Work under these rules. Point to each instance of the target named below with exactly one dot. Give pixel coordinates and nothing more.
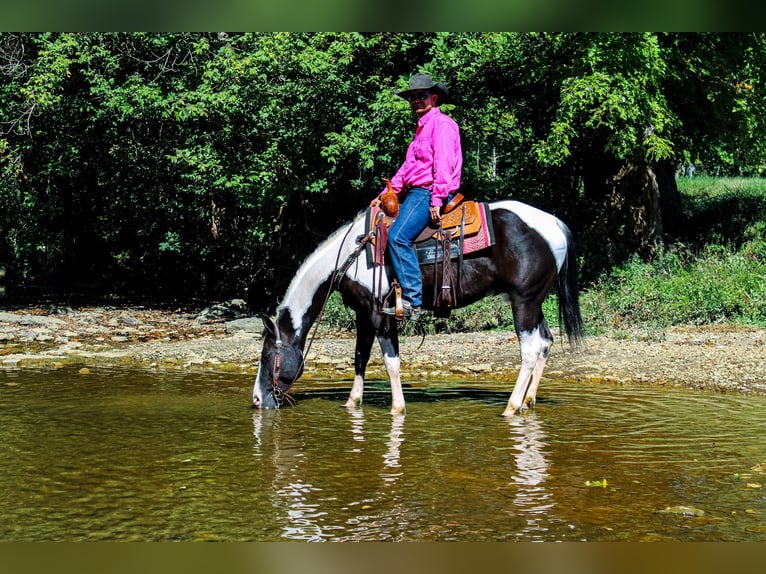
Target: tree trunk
(633, 210)
(671, 208)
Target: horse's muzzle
(266, 401)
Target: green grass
(726, 211)
(721, 285)
(714, 274)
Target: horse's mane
(316, 268)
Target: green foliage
(716, 84)
(612, 93)
(723, 210)
(720, 286)
(717, 278)
(210, 164)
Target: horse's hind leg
(537, 373)
(535, 346)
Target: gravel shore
(724, 358)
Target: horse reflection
(391, 458)
(292, 493)
(305, 502)
(531, 498)
(398, 477)
(357, 428)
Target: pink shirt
(434, 159)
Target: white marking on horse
(257, 397)
(319, 266)
(547, 225)
(394, 370)
(534, 351)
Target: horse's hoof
(509, 412)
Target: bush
(705, 281)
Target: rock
(251, 325)
(27, 335)
(682, 510)
(480, 368)
(230, 310)
(129, 321)
(460, 369)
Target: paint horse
(533, 252)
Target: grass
(714, 274)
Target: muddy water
(140, 455)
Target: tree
(208, 164)
(593, 126)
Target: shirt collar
(427, 117)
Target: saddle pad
(481, 237)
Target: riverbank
(724, 358)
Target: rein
(337, 277)
(338, 274)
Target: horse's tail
(568, 293)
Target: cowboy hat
(420, 82)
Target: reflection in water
(297, 499)
(532, 498)
(139, 455)
(300, 499)
(291, 493)
(357, 426)
(391, 458)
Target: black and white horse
(532, 254)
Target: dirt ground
(724, 358)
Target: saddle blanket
(478, 234)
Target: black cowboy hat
(420, 82)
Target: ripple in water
(140, 455)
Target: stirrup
(405, 310)
(397, 310)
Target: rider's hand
(434, 212)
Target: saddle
(466, 227)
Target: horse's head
(281, 365)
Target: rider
(430, 173)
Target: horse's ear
(269, 324)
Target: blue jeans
(413, 217)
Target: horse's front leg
(364, 338)
(389, 346)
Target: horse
(533, 252)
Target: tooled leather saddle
(466, 227)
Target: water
(157, 456)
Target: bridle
(338, 273)
(278, 394)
